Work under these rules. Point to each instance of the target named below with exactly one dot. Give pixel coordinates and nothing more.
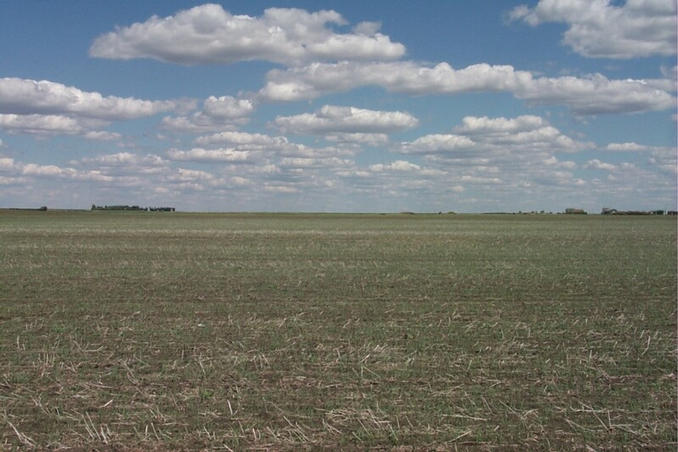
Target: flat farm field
(127, 330)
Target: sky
(339, 106)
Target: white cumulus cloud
(436, 143)
(597, 164)
(102, 135)
(472, 125)
(510, 152)
(663, 157)
(126, 164)
(520, 134)
(218, 113)
(598, 28)
(210, 155)
(6, 163)
(626, 147)
(243, 139)
(331, 119)
(227, 107)
(315, 163)
(368, 139)
(398, 165)
(48, 108)
(41, 124)
(56, 172)
(210, 34)
(25, 96)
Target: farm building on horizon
(134, 208)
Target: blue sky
(339, 106)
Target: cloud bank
(595, 94)
(50, 108)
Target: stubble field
(252, 331)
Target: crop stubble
(140, 330)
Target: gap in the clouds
(651, 128)
(148, 79)
(638, 159)
(46, 150)
(441, 113)
(262, 119)
(370, 156)
(437, 113)
(371, 97)
(624, 69)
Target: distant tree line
(608, 211)
(134, 208)
(41, 209)
(574, 211)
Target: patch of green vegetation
(336, 331)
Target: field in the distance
(170, 330)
